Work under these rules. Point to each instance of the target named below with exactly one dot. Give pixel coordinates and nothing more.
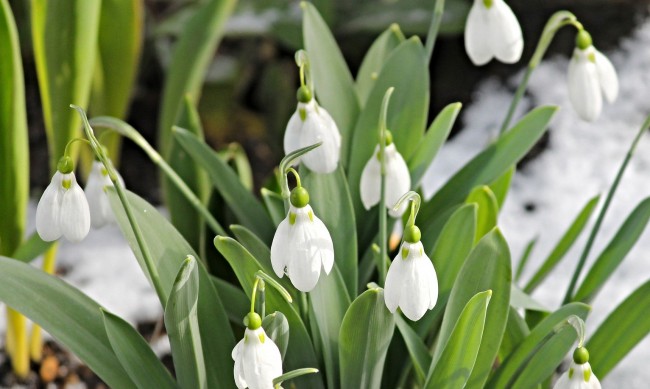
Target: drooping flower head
(302, 245)
(100, 208)
(411, 282)
(397, 180)
(591, 75)
(492, 30)
(257, 358)
(579, 375)
(63, 208)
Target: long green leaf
(31, 248)
(191, 57)
(525, 256)
(301, 351)
(274, 205)
(374, 60)
(407, 112)
(181, 321)
(487, 211)
(137, 358)
(333, 81)
(14, 151)
(169, 249)
(70, 316)
(235, 301)
(487, 268)
(517, 360)
(490, 164)
(516, 331)
(64, 36)
(241, 201)
(501, 185)
(433, 140)
(615, 252)
(456, 362)
(366, 332)
(563, 246)
(626, 326)
(420, 355)
(330, 198)
(276, 327)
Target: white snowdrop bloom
(411, 282)
(302, 245)
(311, 124)
(257, 360)
(63, 210)
(397, 180)
(492, 30)
(591, 75)
(579, 375)
(100, 207)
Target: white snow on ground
(581, 161)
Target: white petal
(280, 248)
(370, 182)
(95, 195)
(47, 211)
(432, 280)
(398, 180)
(238, 371)
(75, 214)
(261, 360)
(322, 241)
(477, 39)
(303, 261)
(584, 88)
(319, 127)
(394, 283)
(415, 298)
(506, 38)
(292, 134)
(563, 382)
(607, 77)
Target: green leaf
(70, 316)
(486, 268)
(407, 112)
(419, 352)
(545, 361)
(276, 327)
(366, 332)
(456, 362)
(330, 198)
(183, 215)
(241, 201)
(519, 358)
(525, 256)
(301, 351)
(615, 252)
(516, 331)
(169, 249)
(487, 211)
(563, 246)
(137, 358)
(31, 248)
(274, 205)
(433, 140)
(181, 322)
(375, 58)
(235, 301)
(64, 36)
(623, 329)
(520, 299)
(191, 56)
(14, 151)
(490, 164)
(501, 186)
(333, 82)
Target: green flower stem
(555, 22)
(121, 193)
(434, 27)
(254, 294)
(383, 238)
(594, 231)
(131, 133)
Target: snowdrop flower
(302, 245)
(411, 282)
(63, 208)
(492, 30)
(100, 208)
(579, 375)
(311, 124)
(591, 75)
(257, 358)
(397, 180)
